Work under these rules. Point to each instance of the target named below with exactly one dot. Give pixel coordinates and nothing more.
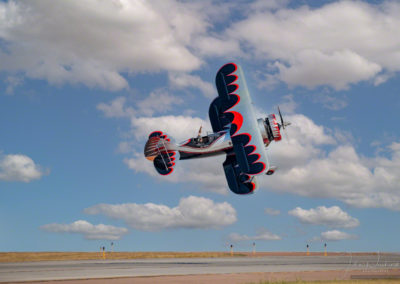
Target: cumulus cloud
(336, 235)
(272, 211)
(305, 166)
(182, 80)
(94, 43)
(338, 69)
(124, 147)
(315, 162)
(88, 230)
(345, 175)
(333, 217)
(116, 108)
(142, 123)
(319, 162)
(208, 173)
(17, 167)
(159, 101)
(262, 236)
(12, 83)
(336, 44)
(304, 142)
(191, 212)
(179, 127)
(101, 43)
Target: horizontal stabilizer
(161, 151)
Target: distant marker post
(231, 250)
(254, 248)
(308, 249)
(325, 251)
(104, 252)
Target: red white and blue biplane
(236, 133)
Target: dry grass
(45, 256)
(372, 281)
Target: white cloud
(89, 231)
(333, 217)
(307, 167)
(116, 108)
(17, 167)
(191, 212)
(178, 127)
(208, 173)
(182, 81)
(98, 43)
(218, 46)
(336, 44)
(288, 105)
(332, 102)
(313, 68)
(262, 236)
(344, 175)
(303, 142)
(93, 43)
(159, 101)
(272, 211)
(12, 82)
(124, 147)
(314, 161)
(336, 235)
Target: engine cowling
(275, 127)
(270, 129)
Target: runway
(62, 270)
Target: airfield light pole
(254, 248)
(325, 252)
(308, 249)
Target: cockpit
(202, 141)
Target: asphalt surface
(61, 270)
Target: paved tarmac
(61, 270)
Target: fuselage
(205, 146)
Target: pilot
(199, 138)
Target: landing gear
(271, 170)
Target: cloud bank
(191, 213)
(263, 236)
(89, 231)
(333, 217)
(336, 235)
(101, 43)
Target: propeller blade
(280, 115)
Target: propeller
(284, 124)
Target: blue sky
(81, 89)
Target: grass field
(374, 281)
(45, 256)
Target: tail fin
(161, 151)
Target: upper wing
(233, 107)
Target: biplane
(237, 133)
